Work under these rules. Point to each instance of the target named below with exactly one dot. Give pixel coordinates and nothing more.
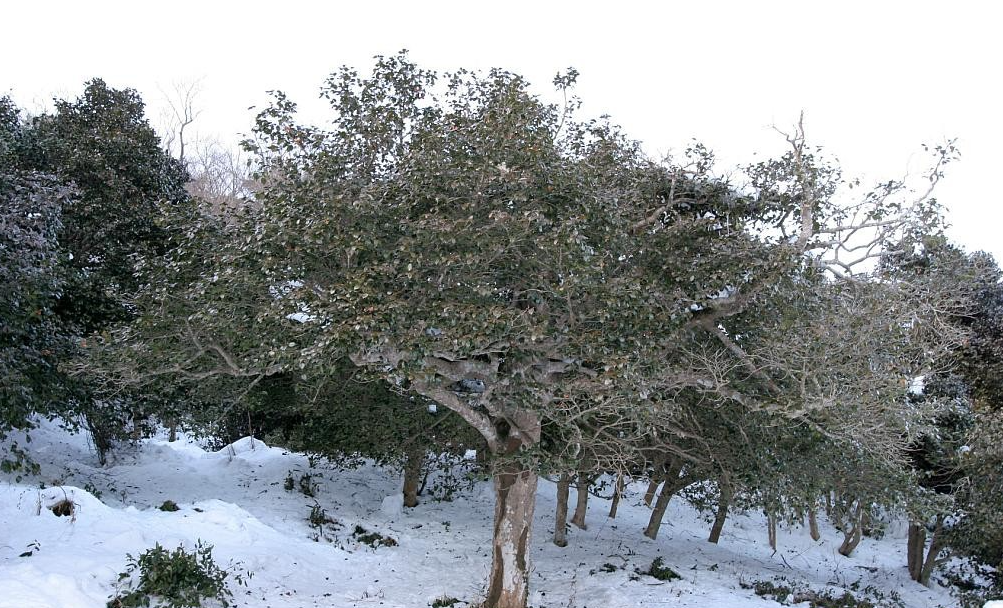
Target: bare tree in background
(179, 116)
(219, 172)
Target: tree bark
(771, 529)
(413, 462)
(723, 501)
(851, 537)
(617, 493)
(657, 477)
(649, 494)
(914, 550)
(813, 525)
(937, 543)
(514, 483)
(582, 505)
(561, 517)
(515, 499)
(669, 488)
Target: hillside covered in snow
(303, 551)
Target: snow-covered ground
(235, 499)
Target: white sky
(875, 79)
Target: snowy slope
(234, 499)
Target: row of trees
(570, 306)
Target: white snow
(301, 317)
(393, 505)
(234, 499)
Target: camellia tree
(32, 340)
(102, 144)
(537, 275)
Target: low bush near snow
(177, 579)
(373, 539)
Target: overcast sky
(875, 79)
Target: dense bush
(177, 579)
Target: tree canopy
(567, 296)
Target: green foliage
(973, 584)
(32, 338)
(567, 297)
(607, 568)
(345, 416)
(445, 602)
(17, 460)
(455, 221)
(982, 359)
(373, 539)
(169, 506)
(176, 579)
(103, 143)
(84, 191)
(789, 595)
(307, 486)
(660, 571)
(777, 592)
(318, 517)
(979, 531)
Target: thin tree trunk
(813, 525)
(172, 427)
(515, 499)
(771, 529)
(670, 487)
(582, 505)
(723, 501)
(937, 542)
(649, 494)
(914, 550)
(617, 493)
(851, 537)
(657, 477)
(413, 462)
(658, 513)
(101, 438)
(561, 518)
(137, 426)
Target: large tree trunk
(723, 501)
(413, 462)
(669, 488)
(582, 505)
(561, 517)
(515, 487)
(617, 493)
(515, 499)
